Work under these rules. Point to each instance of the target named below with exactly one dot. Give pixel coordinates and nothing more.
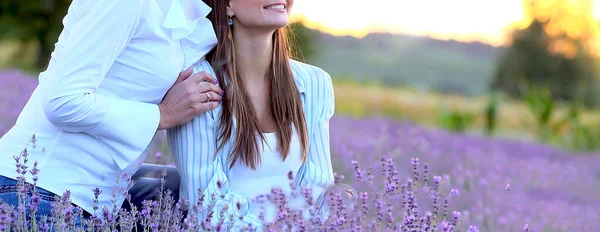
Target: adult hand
(190, 96)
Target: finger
(206, 106)
(210, 96)
(184, 75)
(205, 87)
(205, 97)
(202, 76)
(214, 96)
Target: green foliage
(582, 138)
(392, 111)
(570, 74)
(541, 105)
(303, 38)
(455, 121)
(491, 113)
(568, 130)
(33, 21)
(351, 108)
(579, 137)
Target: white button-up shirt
(95, 110)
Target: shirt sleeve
(317, 173)
(95, 36)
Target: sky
(487, 21)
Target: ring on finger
(207, 96)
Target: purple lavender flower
(158, 157)
(455, 193)
(473, 229)
(480, 167)
(425, 172)
(456, 216)
(35, 201)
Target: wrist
(163, 122)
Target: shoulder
(108, 4)
(308, 71)
(317, 86)
(116, 10)
(312, 78)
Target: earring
(230, 21)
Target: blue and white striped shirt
(193, 145)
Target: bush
(491, 113)
(455, 121)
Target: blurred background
(491, 93)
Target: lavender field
(503, 185)
(15, 89)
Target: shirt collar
(183, 16)
(187, 22)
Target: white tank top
(271, 173)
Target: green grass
(371, 99)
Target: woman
(112, 81)
(274, 118)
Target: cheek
(248, 11)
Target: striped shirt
(193, 145)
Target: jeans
(146, 186)
(9, 195)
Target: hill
(420, 62)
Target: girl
(272, 124)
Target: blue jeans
(147, 185)
(9, 195)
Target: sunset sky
(465, 20)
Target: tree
(551, 52)
(304, 39)
(33, 21)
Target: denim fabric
(9, 195)
(146, 187)
(147, 184)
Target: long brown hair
(285, 105)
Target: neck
(253, 53)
